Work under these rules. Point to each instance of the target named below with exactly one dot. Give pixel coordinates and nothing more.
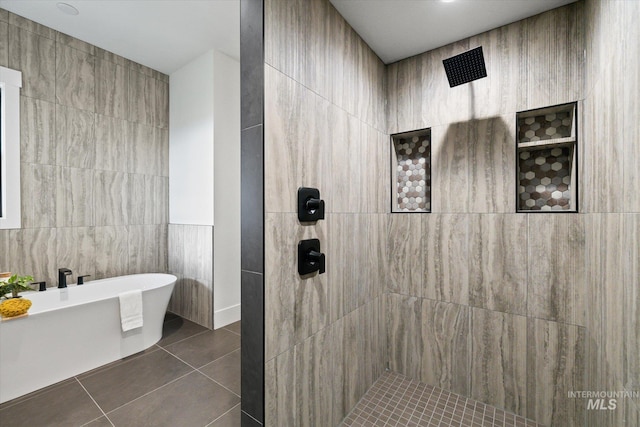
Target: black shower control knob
(313, 205)
(316, 259)
(310, 205)
(310, 257)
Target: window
(10, 84)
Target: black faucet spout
(62, 277)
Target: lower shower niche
(411, 171)
(545, 179)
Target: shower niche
(547, 148)
(411, 171)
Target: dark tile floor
(190, 378)
(396, 400)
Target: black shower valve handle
(310, 205)
(314, 204)
(316, 258)
(310, 258)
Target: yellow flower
(14, 307)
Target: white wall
(191, 136)
(226, 233)
(204, 167)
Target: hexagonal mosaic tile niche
(546, 159)
(544, 127)
(545, 179)
(411, 182)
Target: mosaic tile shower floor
(396, 400)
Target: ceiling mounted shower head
(466, 67)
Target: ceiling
(398, 29)
(161, 34)
(167, 34)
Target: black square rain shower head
(466, 67)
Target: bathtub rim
(171, 279)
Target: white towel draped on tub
(131, 310)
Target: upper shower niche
(547, 153)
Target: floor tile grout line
(218, 382)
(222, 415)
(451, 398)
(199, 371)
(149, 392)
(420, 399)
(484, 411)
(464, 410)
(183, 339)
(381, 379)
(233, 332)
(177, 357)
(476, 411)
(190, 365)
(96, 419)
(218, 358)
(102, 369)
(435, 401)
(441, 397)
(34, 394)
(425, 407)
(93, 400)
(388, 386)
(194, 369)
(459, 402)
(408, 398)
(409, 410)
(398, 399)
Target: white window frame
(10, 84)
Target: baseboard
(226, 316)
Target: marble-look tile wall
(610, 199)
(484, 301)
(190, 259)
(94, 158)
(325, 339)
(512, 309)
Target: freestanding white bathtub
(73, 330)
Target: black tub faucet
(62, 277)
